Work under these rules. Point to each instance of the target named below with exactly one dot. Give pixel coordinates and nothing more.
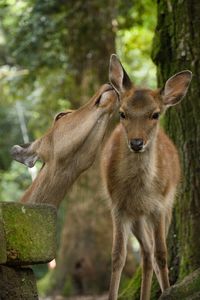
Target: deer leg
(161, 252)
(144, 237)
(157, 271)
(120, 238)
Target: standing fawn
(68, 148)
(140, 168)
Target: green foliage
(43, 284)
(68, 288)
(9, 132)
(134, 41)
(13, 182)
(132, 290)
(134, 49)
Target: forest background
(54, 55)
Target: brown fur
(127, 173)
(68, 148)
(141, 185)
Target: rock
(3, 255)
(27, 233)
(187, 289)
(17, 283)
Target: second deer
(68, 148)
(141, 171)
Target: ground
(97, 297)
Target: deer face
(139, 113)
(70, 130)
(140, 109)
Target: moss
(17, 283)
(3, 255)
(187, 288)
(132, 290)
(68, 288)
(30, 232)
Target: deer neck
(50, 186)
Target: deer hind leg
(161, 252)
(144, 236)
(120, 238)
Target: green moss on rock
(189, 288)
(17, 284)
(30, 232)
(3, 256)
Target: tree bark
(177, 47)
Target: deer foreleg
(120, 237)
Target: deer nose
(136, 144)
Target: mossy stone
(3, 255)
(188, 288)
(30, 232)
(17, 283)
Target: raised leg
(161, 252)
(144, 236)
(121, 231)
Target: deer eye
(155, 116)
(61, 114)
(122, 115)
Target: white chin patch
(140, 151)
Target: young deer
(140, 168)
(68, 148)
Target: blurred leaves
(13, 182)
(134, 40)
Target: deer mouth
(138, 151)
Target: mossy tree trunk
(177, 47)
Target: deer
(68, 148)
(141, 172)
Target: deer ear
(25, 154)
(176, 88)
(118, 76)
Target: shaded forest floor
(93, 297)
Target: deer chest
(136, 195)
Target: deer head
(141, 108)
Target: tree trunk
(177, 47)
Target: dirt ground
(97, 297)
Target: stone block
(17, 284)
(187, 289)
(29, 231)
(3, 255)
